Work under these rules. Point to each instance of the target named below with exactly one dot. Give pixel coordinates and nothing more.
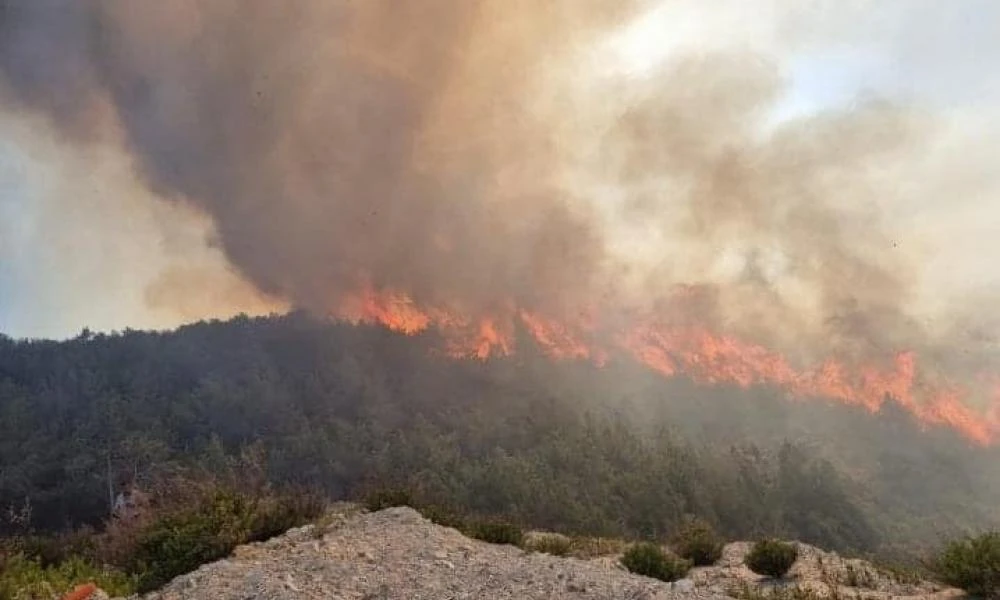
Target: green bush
(382, 498)
(274, 516)
(444, 516)
(26, 579)
(203, 529)
(772, 558)
(973, 564)
(495, 531)
(699, 543)
(652, 561)
(55, 549)
(181, 542)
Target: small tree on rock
(698, 542)
(650, 560)
(772, 558)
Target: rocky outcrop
(397, 554)
(816, 574)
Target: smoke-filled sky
(820, 176)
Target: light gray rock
(396, 554)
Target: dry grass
(555, 544)
(594, 547)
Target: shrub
(382, 498)
(444, 516)
(650, 560)
(26, 579)
(592, 547)
(55, 549)
(859, 576)
(274, 516)
(495, 531)
(772, 558)
(548, 543)
(181, 542)
(973, 564)
(205, 526)
(903, 574)
(699, 543)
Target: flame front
(704, 356)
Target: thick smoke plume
(333, 143)
(454, 157)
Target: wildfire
(704, 356)
(395, 311)
(485, 342)
(557, 339)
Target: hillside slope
(560, 445)
(397, 554)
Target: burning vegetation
(697, 353)
(476, 168)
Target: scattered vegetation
(495, 531)
(548, 543)
(772, 558)
(204, 523)
(24, 578)
(859, 576)
(747, 591)
(444, 516)
(592, 547)
(381, 498)
(902, 574)
(973, 564)
(181, 541)
(698, 542)
(651, 560)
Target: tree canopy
(560, 445)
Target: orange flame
(486, 342)
(558, 340)
(705, 357)
(393, 310)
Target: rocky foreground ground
(397, 554)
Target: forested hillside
(615, 450)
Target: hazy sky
(83, 243)
(933, 56)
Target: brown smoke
(435, 149)
(331, 142)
